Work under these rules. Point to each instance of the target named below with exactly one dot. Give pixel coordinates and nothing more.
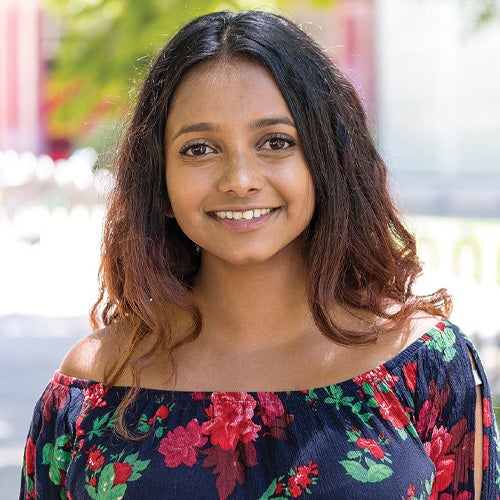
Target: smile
(246, 215)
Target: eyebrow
(266, 122)
(196, 127)
(257, 124)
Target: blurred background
(428, 72)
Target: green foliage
(105, 48)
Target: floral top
(404, 430)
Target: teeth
(247, 215)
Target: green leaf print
(367, 389)
(444, 342)
(270, 491)
(355, 470)
(337, 398)
(57, 456)
(375, 473)
(91, 491)
(105, 480)
(100, 424)
(378, 472)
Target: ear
(168, 209)
(169, 212)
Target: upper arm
(88, 358)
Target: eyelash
(187, 147)
(274, 137)
(280, 137)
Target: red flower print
(441, 326)
(486, 413)
(231, 419)
(93, 481)
(198, 396)
(411, 492)
(376, 376)
(161, 413)
(270, 407)
(279, 488)
(391, 409)
(486, 452)
(54, 397)
(95, 459)
(431, 409)
(410, 373)
(437, 449)
(94, 396)
(122, 472)
(30, 457)
(180, 446)
(301, 480)
(372, 446)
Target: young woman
(261, 337)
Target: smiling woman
(238, 183)
(261, 336)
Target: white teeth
(247, 214)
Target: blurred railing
(51, 224)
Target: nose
(241, 176)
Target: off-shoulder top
(404, 430)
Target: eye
(197, 149)
(278, 142)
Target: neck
(253, 305)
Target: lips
(255, 213)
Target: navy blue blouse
(404, 430)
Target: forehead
(235, 87)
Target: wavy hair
(357, 252)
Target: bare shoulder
(89, 357)
(420, 323)
(393, 342)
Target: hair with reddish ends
(357, 252)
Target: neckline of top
(390, 364)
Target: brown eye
(278, 143)
(198, 149)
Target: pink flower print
(270, 407)
(231, 419)
(181, 445)
(437, 450)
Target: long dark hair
(357, 252)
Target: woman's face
(237, 179)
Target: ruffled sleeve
(49, 445)
(445, 415)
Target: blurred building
(438, 101)
(22, 76)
